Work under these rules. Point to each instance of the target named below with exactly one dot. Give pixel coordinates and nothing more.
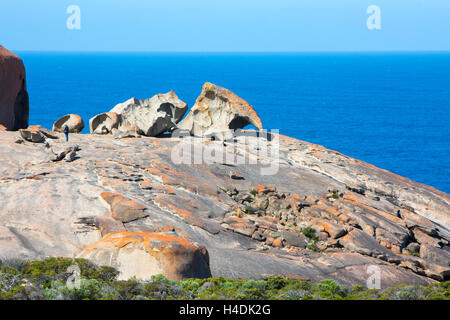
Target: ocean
(389, 109)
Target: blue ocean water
(391, 110)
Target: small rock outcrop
(145, 254)
(31, 136)
(218, 110)
(68, 154)
(45, 132)
(122, 208)
(149, 117)
(73, 121)
(104, 123)
(14, 103)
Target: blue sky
(225, 25)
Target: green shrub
(310, 233)
(190, 285)
(329, 289)
(47, 279)
(250, 210)
(128, 289)
(276, 282)
(334, 195)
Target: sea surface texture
(391, 110)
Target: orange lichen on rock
(239, 105)
(264, 189)
(240, 225)
(164, 189)
(169, 228)
(157, 187)
(356, 200)
(144, 254)
(123, 208)
(217, 110)
(333, 229)
(122, 239)
(164, 203)
(278, 243)
(146, 185)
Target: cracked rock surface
(125, 202)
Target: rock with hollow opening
(104, 123)
(151, 117)
(218, 110)
(73, 121)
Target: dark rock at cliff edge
(14, 105)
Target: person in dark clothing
(66, 132)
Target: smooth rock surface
(73, 121)
(54, 208)
(144, 255)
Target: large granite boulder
(218, 110)
(14, 104)
(73, 121)
(149, 117)
(143, 255)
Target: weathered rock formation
(104, 123)
(145, 254)
(14, 104)
(43, 131)
(31, 135)
(216, 111)
(149, 117)
(319, 215)
(73, 121)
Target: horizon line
(232, 52)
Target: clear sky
(225, 25)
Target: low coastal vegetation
(49, 279)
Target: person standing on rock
(66, 132)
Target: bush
(276, 282)
(329, 289)
(310, 233)
(47, 279)
(57, 269)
